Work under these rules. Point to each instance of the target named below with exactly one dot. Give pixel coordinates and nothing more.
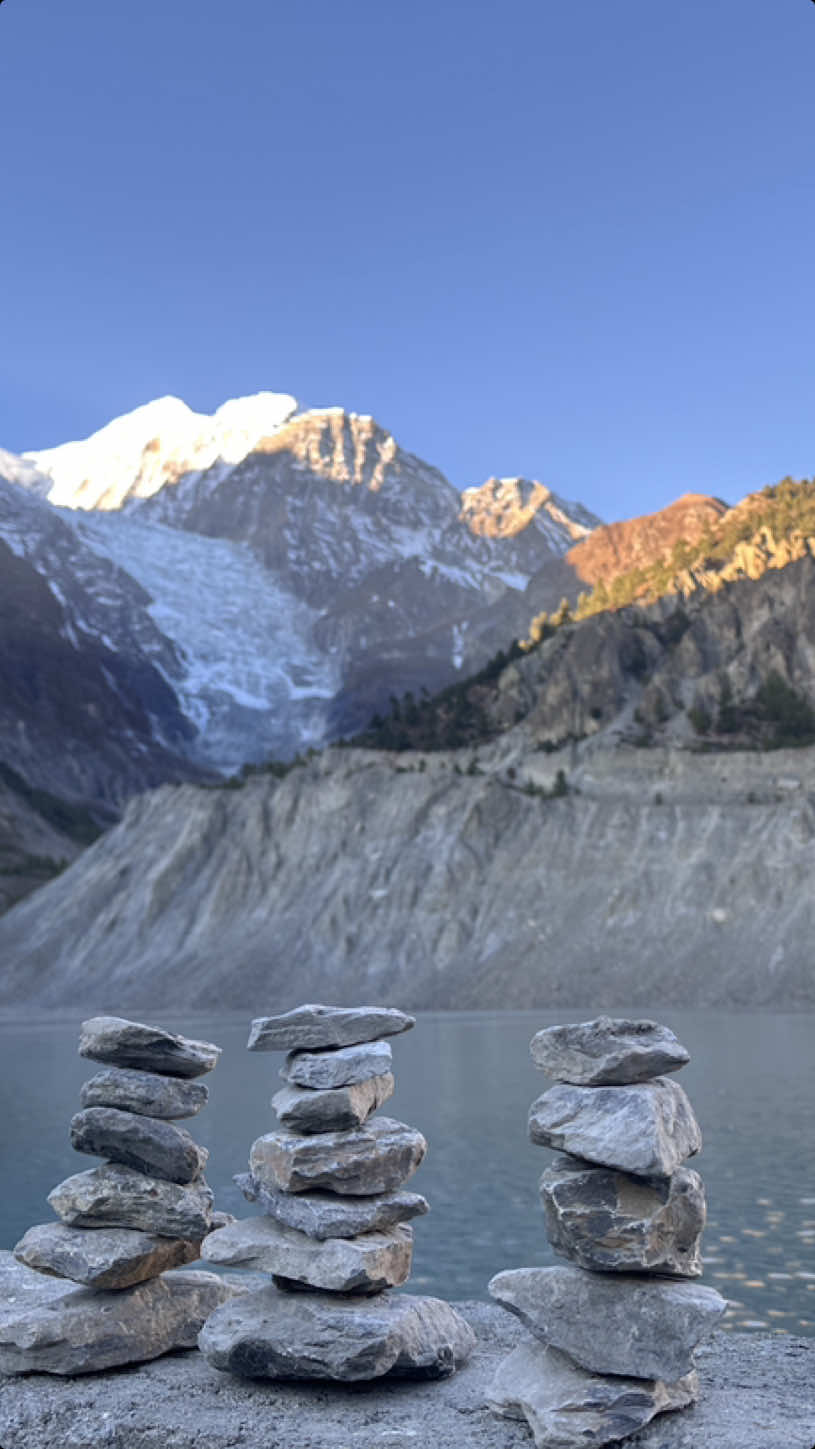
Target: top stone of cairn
(122, 1043)
(607, 1052)
(309, 1028)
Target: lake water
(466, 1080)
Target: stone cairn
(123, 1224)
(614, 1334)
(334, 1233)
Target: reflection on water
(466, 1080)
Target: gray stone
(49, 1326)
(608, 1051)
(122, 1043)
(146, 1143)
(568, 1408)
(102, 1257)
(325, 1215)
(309, 1027)
(280, 1336)
(112, 1196)
(366, 1264)
(331, 1109)
(145, 1092)
(612, 1222)
(647, 1129)
(340, 1067)
(375, 1158)
(613, 1323)
(756, 1393)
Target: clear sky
(566, 238)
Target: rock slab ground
(756, 1393)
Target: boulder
(145, 1092)
(612, 1222)
(309, 1027)
(375, 1158)
(617, 1323)
(276, 1335)
(122, 1043)
(648, 1128)
(325, 1215)
(49, 1326)
(339, 1067)
(102, 1257)
(146, 1143)
(607, 1051)
(568, 1408)
(112, 1196)
(331, 1109)
(366, 1264)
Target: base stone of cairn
(121, 1225)
(334, 1234)
(615, 1331)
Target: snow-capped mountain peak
(134, 456)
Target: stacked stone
(614, 1334)
(122, 1225)
(334, 1233)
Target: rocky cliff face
(670, 879)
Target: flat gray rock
(325, 1215)
(331, 1109)
(608, 1051)
(148, 1144)
(646, 1328)
(112, 1196)
(102, 1257)
(378, 1157)
(53, 1327)
(648, 1129)
(122, 1043)
(309, 1027)
(145, 1092)
(366, 1264)
(567, 1408)
(339, 1067)
(756, 1393)
(612, 1222)
(281, 1336)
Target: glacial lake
(466, 1080)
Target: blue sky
(571, 240)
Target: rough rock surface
(102, 1257)
(568, 1408)
(612, 1222)
(50, 1326)
(366, 1264)
(145, 1092)
(331, 1109)
(271, 1334)
(756, 1393)
(648, 1129)
(613, 1324)
(701, 866)
(307, 1028)
(112, 1196)
(607, 1051)
(375, 1158)
(122, 1043)
(340, 1067)
(147, 1144)
(326, 1215)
